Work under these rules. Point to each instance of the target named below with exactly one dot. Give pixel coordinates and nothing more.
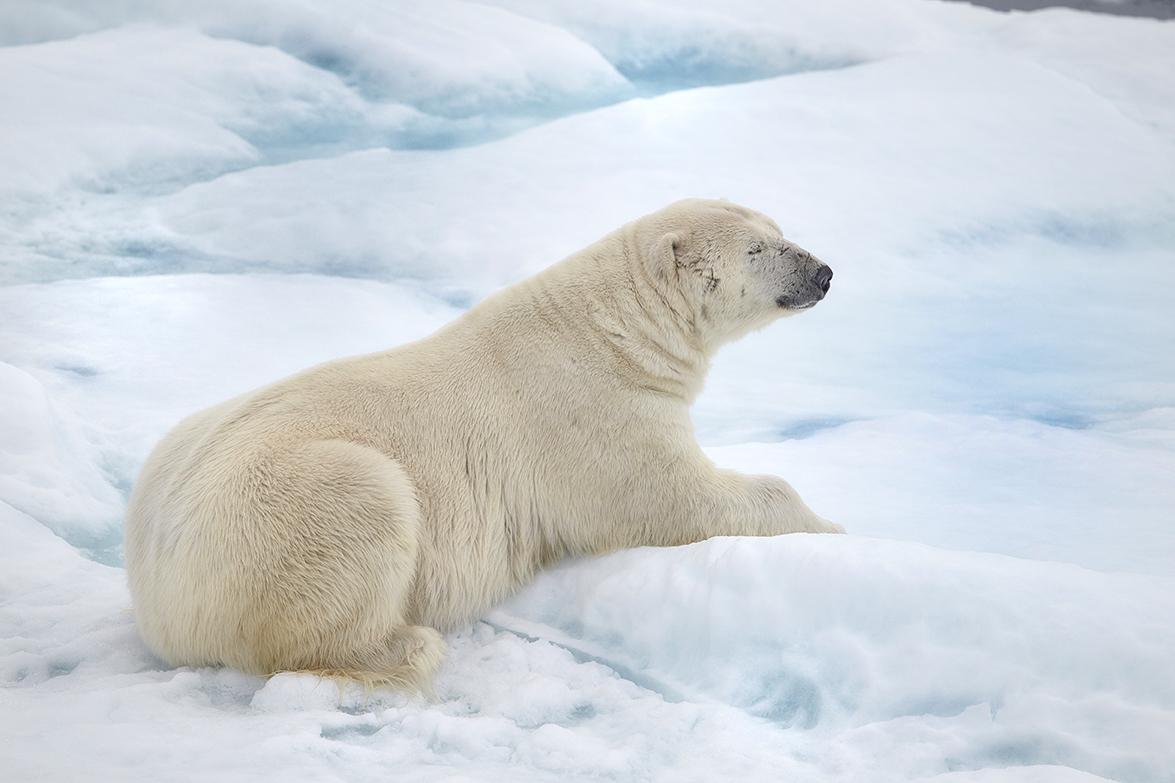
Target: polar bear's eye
(756, 248)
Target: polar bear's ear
(664, 256)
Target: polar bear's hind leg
(337, 528)
(405, 661)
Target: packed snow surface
(199, 198)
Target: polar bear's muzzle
(809, 292)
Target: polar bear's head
(731, 266)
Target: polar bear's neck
(599, 307)
(653, 328)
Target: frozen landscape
(199, 198)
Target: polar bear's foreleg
(775, 507)
(700, 501)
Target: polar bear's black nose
(823, 276)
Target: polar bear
(340, 520)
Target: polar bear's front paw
(831, 527)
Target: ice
(358, 74)
(660, 46)
(197, 199)
(49, 471)
(1021, 488)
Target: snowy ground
(199, 198)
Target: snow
(196, 199)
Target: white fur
(341, 519)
